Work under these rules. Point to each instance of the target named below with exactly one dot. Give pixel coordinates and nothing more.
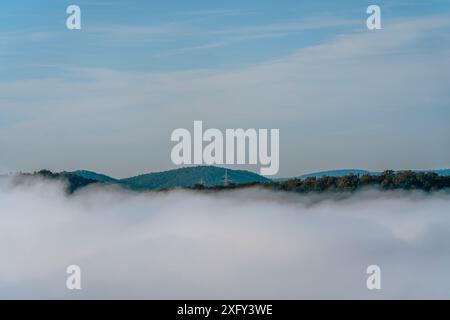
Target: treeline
(388, 180)
(74, 182)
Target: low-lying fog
(244, 244)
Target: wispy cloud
(230, 36)
(362, 94)
(217, 37)
(30, 36)
(163, 30)
(218, 13)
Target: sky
(107, 97)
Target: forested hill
(387, 180)
(214, 178)
(190, 176)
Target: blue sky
(139, 69)
(178, 35)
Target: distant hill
(336, 173)
(74, 182)
(95, 176)
(358, 172)
(190, 176)
(208, 176)
(345, 172)
(177, 178)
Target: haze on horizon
(106, 98)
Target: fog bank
(242, 244)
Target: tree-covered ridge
(212, 179)
(190, 176)
(388, 180)
(187, 177)
(73, 181)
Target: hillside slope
(190, 176)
